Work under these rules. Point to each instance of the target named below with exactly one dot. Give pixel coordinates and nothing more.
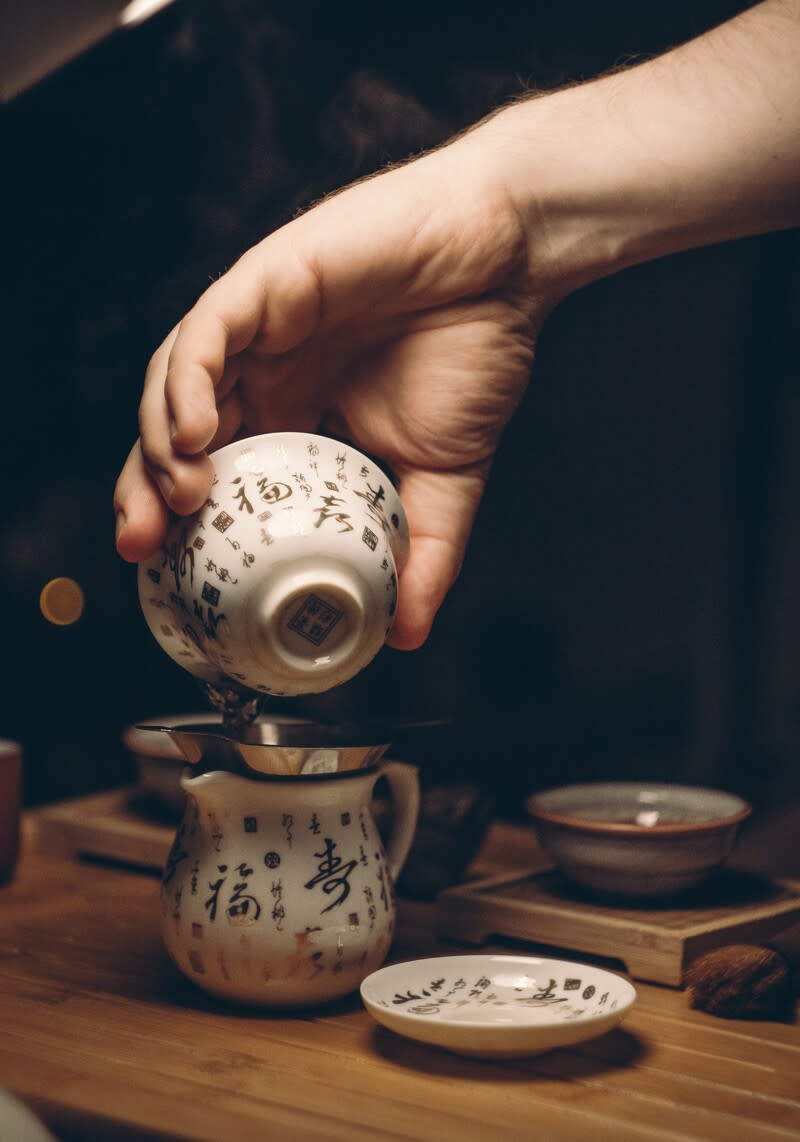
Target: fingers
(354, 253)
(230, 421)
(139, 504)
(186, 396)
(268, 300)
(142, 516)
(183, 481)
(382, 247)
(197, 367)
(441, 509)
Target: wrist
(595, 191)
(697, 146)
(554, 157)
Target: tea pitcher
(278, 891)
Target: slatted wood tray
(654, 943)
(123, 825)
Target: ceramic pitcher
(278, 892)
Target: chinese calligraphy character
(278, 908)
(332, 874)
(241, 496)
(302, 484)
(210, 621)
(222, 573)
(180, 558)
(287, 820)
(242, 906)
(328, 511)
(272, 492)
(211, 904)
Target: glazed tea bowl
(637, 839)
(285, 580)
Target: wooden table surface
(105, 1040)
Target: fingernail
(120, 525)
(173, 429)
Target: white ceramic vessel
(278, 892)
(498, 1007)
(637, 839)
(285, 581)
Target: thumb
(441, 508)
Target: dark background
(628, 603)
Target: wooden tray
(654, 943)
(123, 825)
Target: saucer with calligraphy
(497, 1007)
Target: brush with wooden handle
(748, 981)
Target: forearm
(697, 146)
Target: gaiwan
(285, 581)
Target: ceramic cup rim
(274, 437)
(578, 824)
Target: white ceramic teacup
(285, 581)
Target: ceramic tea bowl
(285, 580)
(637, 839)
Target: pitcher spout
(214, 792)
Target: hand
(399, 315)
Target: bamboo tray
(122, 825)
(656, 943)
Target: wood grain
(105, 1040)
(653, 943)
(117, 824)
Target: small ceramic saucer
(497, 1007)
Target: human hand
(399, 315)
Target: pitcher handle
(403, 782)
